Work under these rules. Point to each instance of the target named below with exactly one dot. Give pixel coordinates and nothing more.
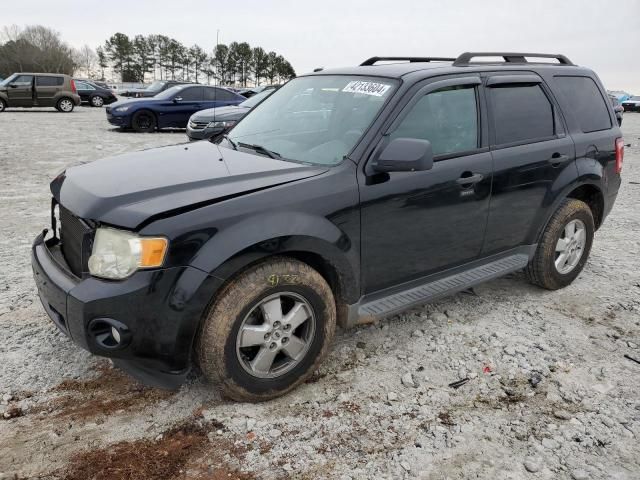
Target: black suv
(347, 195)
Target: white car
(632, 104)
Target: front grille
(73, 237)
(198, 125)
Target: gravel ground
(550, 394)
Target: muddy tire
(143, 121)
(564, 246)
(267, 331)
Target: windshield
(315, 119)
(169, 93)
(155, 86)
(256, 99)
(8, 79)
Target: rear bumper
(629, 107)
(159, 312)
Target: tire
(3, 105)
(547, 269)
(65, 105)
(143, 121)
(227, 352)
(96, 101)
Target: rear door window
(587, 102)
(218, 94)
(522, 113)
(49, 81)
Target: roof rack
(509, 57)
(374, 60)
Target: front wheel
(3, 105)
(564, 247)
(97, 101)
(65, 105)
(143, 121)
(268, 330)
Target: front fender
(280, 233)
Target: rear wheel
(65, 105)
(143, 121)
(97, 101)
(564, 247)
(268, 330)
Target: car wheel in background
(564, 247)
(268, 330)
(3, 105)
(65, 105)
(96, 101)
(143, 121)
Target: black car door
(418, 223)
(530, 150)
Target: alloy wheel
(275, 335)
(66, 105)
(570, 246)
(97, 101)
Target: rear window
(49, 81)
(587, 102)
(522, 113)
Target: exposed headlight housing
(226, 124)
(117, 254)
(124, 108)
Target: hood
(128, 101)
(221, 113)
(129, 189)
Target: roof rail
(509, 57)
(374, 60)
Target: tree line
(139, 58)
(161, 57)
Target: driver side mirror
(177, 99)
(405, 155)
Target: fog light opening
(109, 334)
(115, 334)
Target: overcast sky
(603, 35)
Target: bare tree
(86, 60)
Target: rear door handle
(470, 180)
(558, 158)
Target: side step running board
(369, 310)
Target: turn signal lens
(153, 250)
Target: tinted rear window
(49, 81)
(587, 102)
(522, 113)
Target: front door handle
(470, 180)
(558, 158)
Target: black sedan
(94, 94)
(213, 122)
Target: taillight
(619, 154)
(73, 86)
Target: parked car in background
(212, 122)
(94, 94)
(27, 90)
(617, 108)
(250, 92)
(169, 109)
(153, 89)
(632, 104)
(99, 83)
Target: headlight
(117, 254)
(227, 124)
(121, 109)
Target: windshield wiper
(261, 149)
(233, 144)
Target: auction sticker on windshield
(367, 88)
